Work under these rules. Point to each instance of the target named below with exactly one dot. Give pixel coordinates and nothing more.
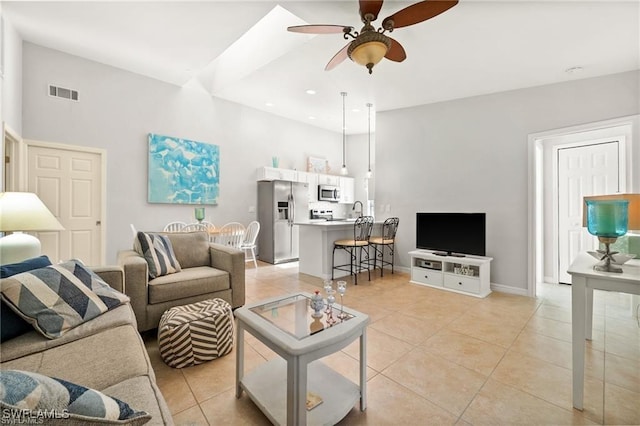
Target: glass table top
(292, 314)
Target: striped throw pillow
(158, 252)
(57, 298)
(27, 397)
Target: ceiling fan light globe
(369, 53)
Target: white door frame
(103, 167)
(537, 179)
(622, 149)
(14, 149)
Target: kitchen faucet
(361, 207)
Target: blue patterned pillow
(158, 252)
(57, 298)
(11, 325)
(28, 397)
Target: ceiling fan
(369, 46)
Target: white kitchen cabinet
(272, 173)
(468, 275)
(329, 180)
(347, 189)
(312, 180)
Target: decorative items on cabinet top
(271, 173)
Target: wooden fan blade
(337, 58)
(396, 52)
(320, 29)
(417, 12)
(369, 6)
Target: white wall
(358, 162)
(470, 155)
(117, 110)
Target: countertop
(329, 223)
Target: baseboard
(508, 289)
(402, 269)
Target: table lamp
(609, 217)
(21, 212)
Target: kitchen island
(316, 246)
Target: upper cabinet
(347, 189)
(312, 180)
(272, 173)
(346, 184)
(332, 180)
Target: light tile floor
(436, 357)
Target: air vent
(62, 92)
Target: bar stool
(387, 239)
(360, 242)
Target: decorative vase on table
(199, 213)
(317, 303)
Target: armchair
(208, 270)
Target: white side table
(583, 281)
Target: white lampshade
(23, 211)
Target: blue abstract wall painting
(183, 171)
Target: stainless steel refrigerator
(280, 205)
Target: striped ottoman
(196, 333)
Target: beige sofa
(105, 353)
(208, 271)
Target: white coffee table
(279, 387)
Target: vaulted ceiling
(240, 50)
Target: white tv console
(466, 275)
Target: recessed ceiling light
(355, 110)
(311, 92)
(270, 104)
(574, 70)
(311, 117)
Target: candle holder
(342, 288)
(607, 220)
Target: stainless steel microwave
(328, 193)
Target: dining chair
(174, 226)
(209, 225)
(231, 234)
(194, 227)
(249, 241)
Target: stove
(322, 214)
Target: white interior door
(69, 182)
(582, 170)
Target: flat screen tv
(451, 233)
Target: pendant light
(344, 170)
(369, 172)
